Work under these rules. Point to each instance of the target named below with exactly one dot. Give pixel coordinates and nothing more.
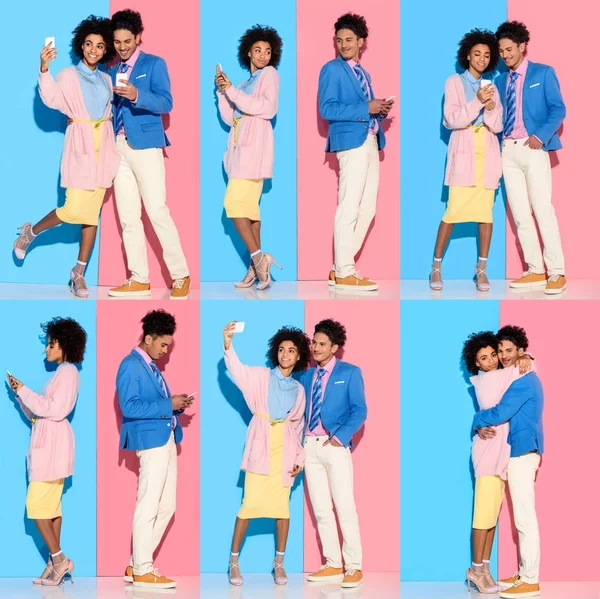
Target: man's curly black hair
(260, 33)
(516, 335)
(127, 19)
(334, 330)
(69, 334)
(93, 25)
(298, 338)
(354, 22)
(471, 39)
(473, 344)
(158, 323)
(515, 31)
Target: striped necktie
(511, 105)
(316, 400)
(159, 377)
(362, 79)
(119, 108)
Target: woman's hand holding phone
(47, 54)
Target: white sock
(482, 259)
(55, 554)
(81, 263)
(234, 554)
(437, 259)
(280, 553)
(486, 561)
(255, 253)
(477, 565)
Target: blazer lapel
(353, 78)
(137, 69)
(151, 374)
(331, 380)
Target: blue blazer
(343, 103)
(142, 120)
(543, 106)
(344, 409)
(522, 405)
(146, 411)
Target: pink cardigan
(78, 168)
(253, 382)
(51, 452)
(252, 157)
(458, 115)
(491, 456)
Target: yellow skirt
(82, 206)
(489, 494)
(264, 494)
(43, 499)
(472, 204)
(242, 197)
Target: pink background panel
(375, 349)
(317, 171)
(574, 169)
(175, 36)
(566, 487)
(119, 330)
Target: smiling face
(54, 352)
(125, 43)
(487, 359)
(511, 53)
(508, 353)
(479, 58)
(259, 55)
(157, 347)
(287, 355)
(348, 44)
(94, 49)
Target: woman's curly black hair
(127, 19)
(98, 26)
(260, 33)
(470, 40)
(334, 330)
(158, 323)
(515, 31)
(473, 344)
(516, 335)
(298, 338)
(355, 23)
(69, 334)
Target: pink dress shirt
(51, 454)
(319, 430)
(131, 62)
(372, 130)
(519, 131)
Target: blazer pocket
(152, 126)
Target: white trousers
(357, 202)
(330, 481)
(155, 506)
(141, 177)
(521, 481)
(528, 180)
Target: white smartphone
(120, 78)
(219, 68)
(239, 327)
(390, 99)
(192, 394)
(50, 40)
(485, 82)
(9, 374)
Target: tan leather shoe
(352, 579)
(130, 288)
(529, 280)
(128, 576)
(327, 574)
(521, 589)
(153, 580)
(331, 278)
(181, 288)
(355, 282)
(506, 583)
(556, 284)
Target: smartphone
(485, 82)
(120, 78)
(192, 394)
(390, 99)
(239, 327)
(9, 374)
(219, 68)
(50, 40)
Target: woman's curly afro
(98, 26)
(260, 33)
(298, 338)
(472, 39)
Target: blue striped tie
(511, 105)
(316, 400)
(119, 110)
(158, 376)
(362, 79)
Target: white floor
(461, 289)
(260, 586)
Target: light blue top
(95, 89)
(248, 88)
(283, 392)
(471, 86)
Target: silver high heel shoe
(435, 277)
(249, 279)
(481, 279)
(479, 580)
(77, 285)
(280, 574)
(263, 269)
(45, 573)
(22, 242)
(235, 576)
